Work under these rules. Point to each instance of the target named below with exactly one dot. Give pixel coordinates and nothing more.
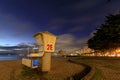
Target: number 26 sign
(49, 47)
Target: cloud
(88, 12)
(72, 25)
(76, 29)
(82, 5)
(27, 44)
(18, 34)
(1, 50)
(66, 42)
(18, 46)
(69, 42)
(21, 45)
(65, 38)
(13, 24)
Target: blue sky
(73, 21)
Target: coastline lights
(118, 50)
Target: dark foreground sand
(61, 69)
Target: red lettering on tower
(49, 47)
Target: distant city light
(118, 50)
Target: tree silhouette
(107, 37)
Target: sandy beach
(61, 69)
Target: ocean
(12, 57)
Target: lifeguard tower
(46, 45)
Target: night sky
(73, 21)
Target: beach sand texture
(61, 69)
